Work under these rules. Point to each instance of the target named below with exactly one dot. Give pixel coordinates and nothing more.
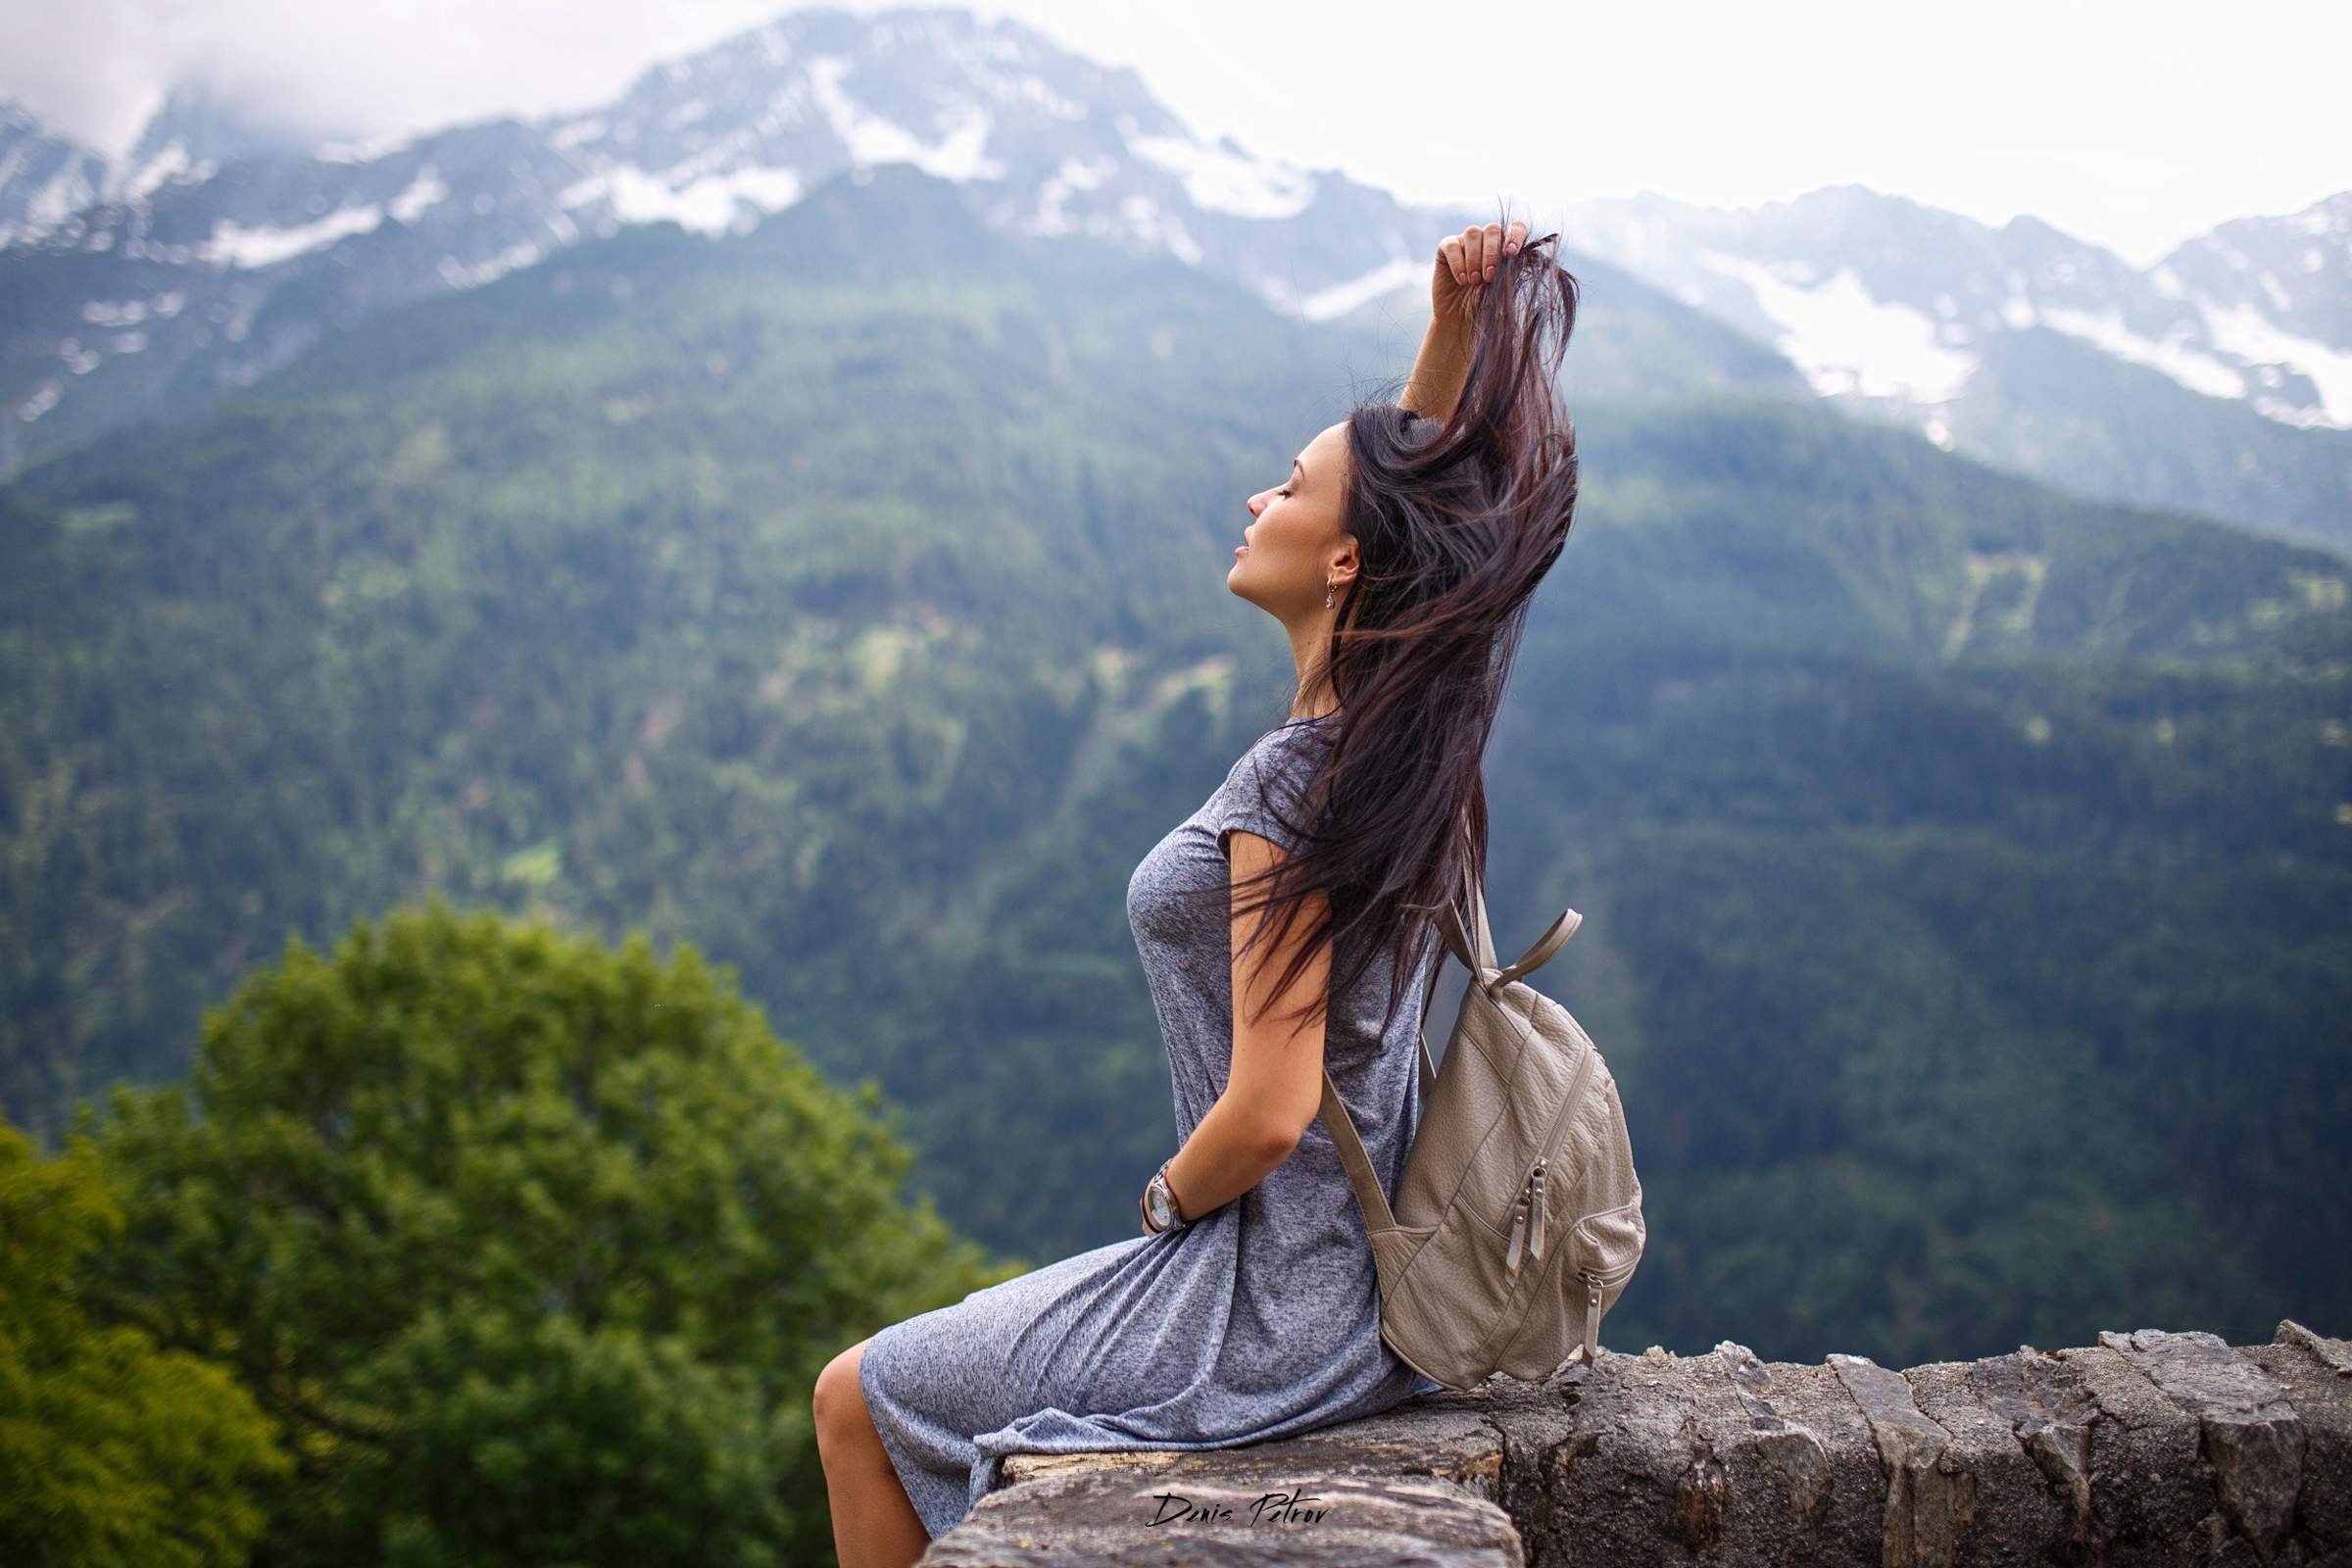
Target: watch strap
(1169, 1188)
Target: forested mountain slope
(1965, 867)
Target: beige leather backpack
(1518, 1219)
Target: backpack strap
(1539, 952)
(1478, 960)
(1481, 958)
(1368, 1194)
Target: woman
(1398, 552)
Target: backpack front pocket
(1605, 1247)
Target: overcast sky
(2134, 125)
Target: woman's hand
(1465, 262)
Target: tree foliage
(534, 1249)
(113, 1449)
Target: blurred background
(597, 603)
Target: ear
(1345, 561)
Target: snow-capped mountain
(2009, 343)
(44, 178)
(2270, 296)
(215, 255)
(2218, 382)
(191, 136)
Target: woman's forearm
(1444, 364)
(1230, 1151)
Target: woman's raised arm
(1465, 262)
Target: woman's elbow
(1277, 1136)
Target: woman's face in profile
(1295, 544)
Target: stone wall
(2147, 1448)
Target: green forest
(838, 610)
(470, 1241)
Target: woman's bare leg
(874, 1524)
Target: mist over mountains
(2218, 382)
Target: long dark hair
(1456, 524)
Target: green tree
(112, 1449)
(535, 1248)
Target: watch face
(1157, 1200)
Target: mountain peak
(197, 126)
(867, 217)
(45, 175)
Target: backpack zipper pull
(1510, 1261)
(1534, 1221)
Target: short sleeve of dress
(1265, 794)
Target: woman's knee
(843, 1423)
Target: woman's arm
(1465, 263)
(1274, 1088)
(1444, 364)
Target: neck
(1312, 698)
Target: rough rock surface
(2147, 1448)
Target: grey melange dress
(1256, 1320)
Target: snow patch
(424, 191)
(365, 151)
(173, 163)
(1337, 299)
(43, 399)
(1075, 175)
(2173, 354)
(266, 245)
(714, 204)
(1149, 223)
(578, 131)
(1220, 179)
(459, 276)
(1845, 340)
(728, 147)
(961, 154)
(2254, 337)
(60, 197)
(1034, 91)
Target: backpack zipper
(1527, 1214)
(1592, 1286)
(1592, 1345)
(1529, 1209)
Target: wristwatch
(1160, 1211)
